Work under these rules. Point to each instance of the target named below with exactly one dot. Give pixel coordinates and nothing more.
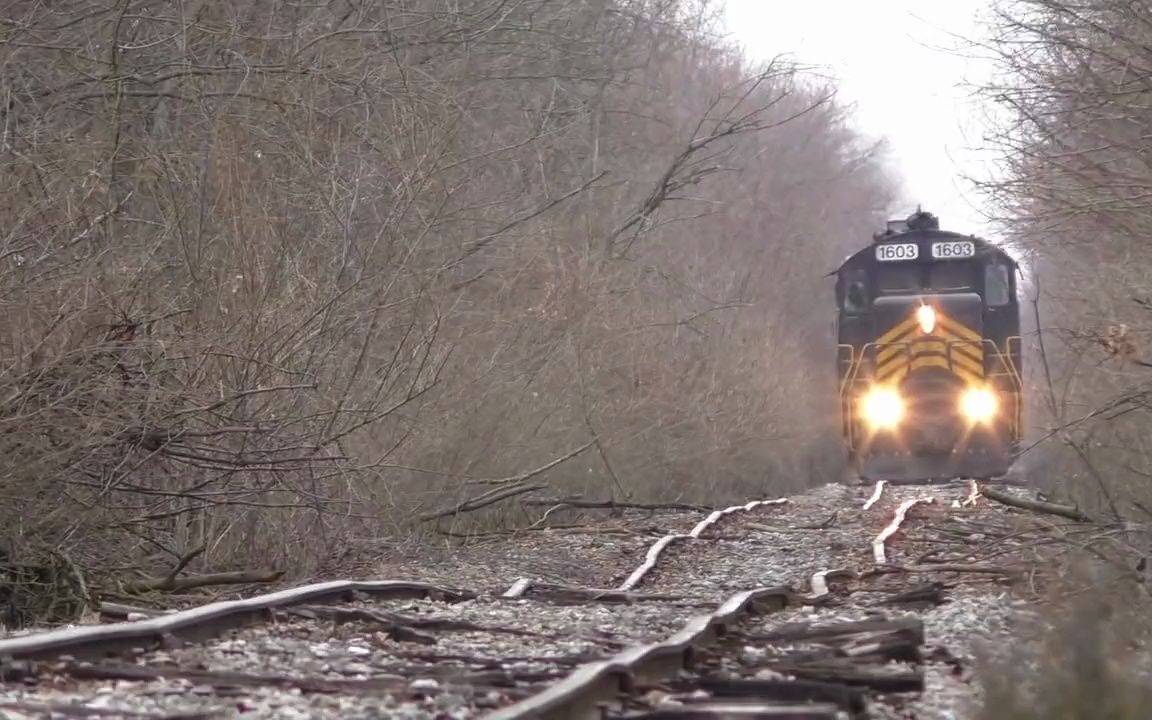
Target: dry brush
(275, 278)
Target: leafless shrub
(1073, 191)
(1084, 656)
(274, 276)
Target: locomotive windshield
(951, 275)
(997, 285)
(898, 277)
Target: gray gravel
(767, 546)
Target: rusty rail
(879, 554)
(659, 546)
(578, 697)
(522, 585)
(205, 621)
(875, 495)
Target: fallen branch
(927, 594)
(184, 561)
(879, 678)
(173, 584)
(482, 501)
(562, 529)
(840, 632)
(1068, 511)
(120, 611)
(533, 473)
(614, 505)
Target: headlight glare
(926, 316)
(882, 408)
(979, 405)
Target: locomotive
(929, 355)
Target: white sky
(903, 65)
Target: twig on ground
(171, 584)
(1068, 511)
(482, 501)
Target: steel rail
(818, 585)
(658, 547)
(580, 695)
(875, 495)
(206, 621)
(879, 553)
(522, 585)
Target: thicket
(1075, 90)
(274, 276)
(1074, 191)
(1083, 656)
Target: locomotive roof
(983, 247)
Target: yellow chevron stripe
(961, 348)
(958, 366)
(970, 352)
(939, 343)
(945, 326)
(929, 361)
(887, 353)
(932, 347)
(971, 366)
(902, 353)
(900, 371)
(892, 375)
(898, 330)
(951, 326)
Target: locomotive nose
(934, 422)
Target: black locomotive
(929, 355)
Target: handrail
(854, 365)
(1019, 382)
(846, 379)
(857, 362)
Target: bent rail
(205, 621)
(577, 697)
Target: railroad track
(811, 607)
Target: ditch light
(979, 405)
(882, 408)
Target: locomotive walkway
(854, 602)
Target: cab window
(855, 293)
(951, 275)
(898, 277)
(997, 285)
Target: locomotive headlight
(979, 405)
(882, 407)
(926, 316)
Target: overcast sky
(902, 64)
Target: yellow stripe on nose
(963, 332)
(952, 346)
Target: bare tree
(1077, 75)
(276, 274)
